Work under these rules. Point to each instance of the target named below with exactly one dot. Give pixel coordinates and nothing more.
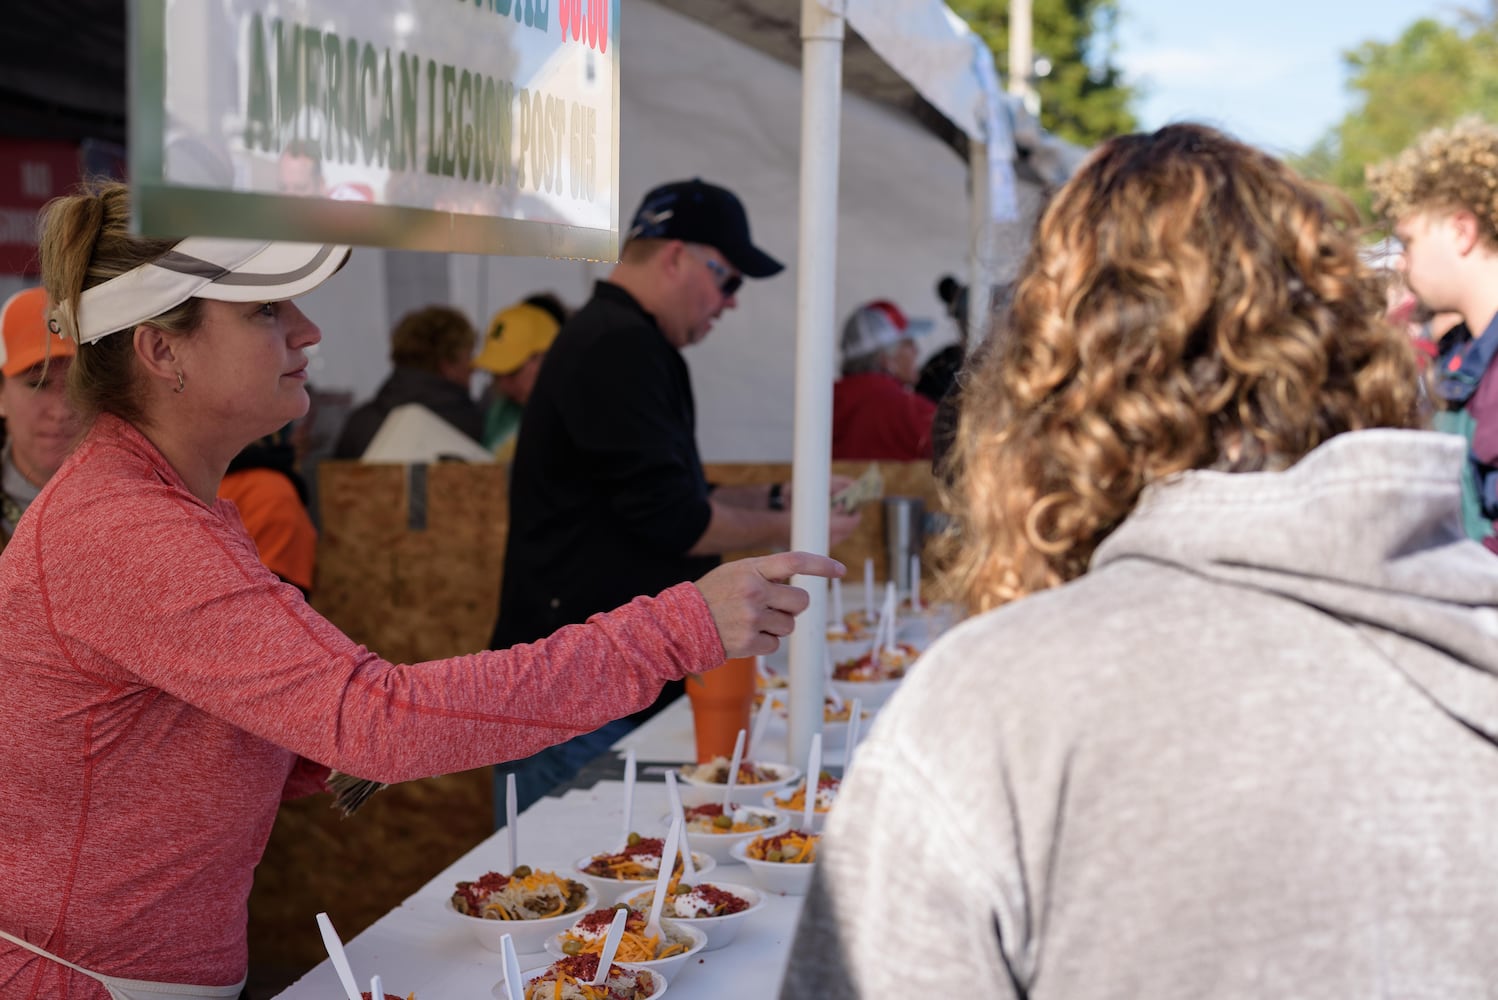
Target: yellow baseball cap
(23, 333)
(515, 336)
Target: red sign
(586, 21)
(32, 171)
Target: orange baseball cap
(24, 339)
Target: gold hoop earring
(181, 383)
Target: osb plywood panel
(412, 595)
(913, 479)
(409, 595)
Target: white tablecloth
(421, 947)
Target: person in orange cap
(38, 426)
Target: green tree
(1430, 76)
(1083, 99)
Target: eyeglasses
(727, 281)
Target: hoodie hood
(1366, 528)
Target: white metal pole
(816, 268)
(1021, 50)
(980, 244)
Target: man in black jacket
(608, 500)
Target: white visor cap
(205, 268)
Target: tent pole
(980, 246)
(1022, 54)
(816, 289)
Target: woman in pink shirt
(165, 691)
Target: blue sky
(1269, 71)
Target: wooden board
(900, 479)
(412, 593)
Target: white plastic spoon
(688, 869)
(336, 954)
(376, 988)
(827, 689)
(915, 583)
(733, 771)
(868, 589)
(839, 623)
(886, 622)
(761, 723)
(610, 947)
(512, 827)
(663, 880)
(514, 989)
(892, 602)
(855, 723)
(629, 797)
(878, 645)
(813, 781)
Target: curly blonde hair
(1445, 170)
(1188, 302)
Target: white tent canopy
(931, 48)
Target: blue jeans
(544, 770)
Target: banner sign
(32, 171)
(471, 126)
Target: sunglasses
(727, 281)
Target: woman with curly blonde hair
(1226, 723)
(1189, 303)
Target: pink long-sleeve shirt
(163, 692)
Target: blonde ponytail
(86, 240)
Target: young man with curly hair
(1441, 195)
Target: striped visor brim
(205, 268)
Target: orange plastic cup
(722, 700)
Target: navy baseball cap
(695, 211)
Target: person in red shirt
(876, 414)
(164, 690)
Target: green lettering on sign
(259, 121)
(288, 77)
(405, 150)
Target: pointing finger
(784, 565)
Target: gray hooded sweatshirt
(1249, 754)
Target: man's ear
(672, 255)
(1468, 233)
(157, 351)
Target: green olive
(632, 839)
(571, 946)
(681, 889)
(723, 821)
(773, 855)
(522, 871)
